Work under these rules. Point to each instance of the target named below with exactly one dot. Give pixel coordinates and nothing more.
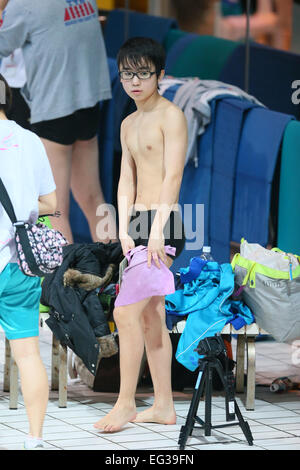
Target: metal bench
(245, 343)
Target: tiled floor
(275, 423)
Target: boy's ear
(161, 75)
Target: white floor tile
(10, 432)
(279, 441)
(284, 447)
(269, 435)
(294, 405)
(12, 439)
(288, 427)
(9, 413)
(269, 414)
(74, 434)
(161, 428)
(150, 436)
(84, 420)
(236, 446)
(104, 406)
(107, 446)
(235, 430)
(82, 412)
(279, 420)
(198, 437)
(74, 441)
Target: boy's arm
(14, 30)
(126, 187)
(175, 147)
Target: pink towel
(140, 282)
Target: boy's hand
(127, 244)
(156, 249)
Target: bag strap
(234, 260)
(250, 275)
(6, 202)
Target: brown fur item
(86, 281)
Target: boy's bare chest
(145, 138)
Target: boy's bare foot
(116, 418)
(155, 415)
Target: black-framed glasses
(142, 75)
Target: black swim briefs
(140, 227)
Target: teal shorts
(19, 303)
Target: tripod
(207, 365)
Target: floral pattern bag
(39, 248)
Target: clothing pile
(77, 316)
(205, 299)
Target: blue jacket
(206, 301)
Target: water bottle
(206, 254)
(282, 384)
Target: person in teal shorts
(27, 177)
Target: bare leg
(60, 160)
(35, 386)
(86, 189)
(131, 342)
(159, 355)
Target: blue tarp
(258, 153)
(272, 73)
(229, 121)
(139, 24)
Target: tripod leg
(187, 429)
(228, 383)
(230, 398)
(244, 425)
(208, 394)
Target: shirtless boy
(154, 144)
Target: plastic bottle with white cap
(206, 254)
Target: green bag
(270, 284)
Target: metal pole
(247, 55)
(126, 23)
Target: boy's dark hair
(138, 51)
(5, 95)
